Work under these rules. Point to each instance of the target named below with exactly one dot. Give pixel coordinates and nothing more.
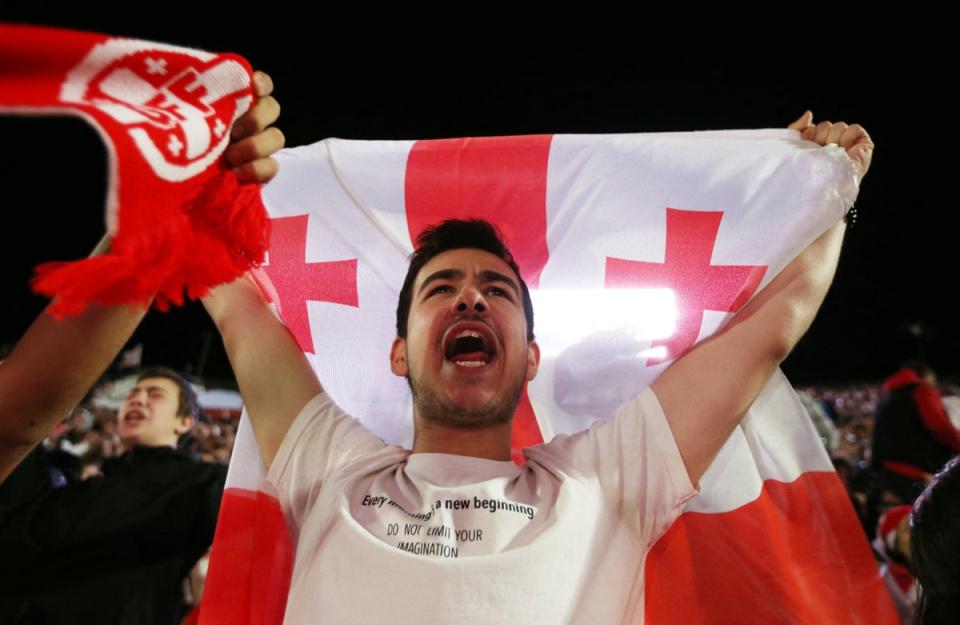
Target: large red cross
(502, 180)
(295, 281)
(697, 285)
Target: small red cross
(697, 285)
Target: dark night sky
(897, 266)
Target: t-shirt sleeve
(635, 461)
(321, 441)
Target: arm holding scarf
(275, 378)
(57, 360)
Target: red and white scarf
(179, 220)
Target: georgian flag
(636, 247)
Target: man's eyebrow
(495, 276)
(443, 274)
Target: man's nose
(470, 299)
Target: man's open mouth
(134, 416)
(470, 345)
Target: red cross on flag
(636, 247)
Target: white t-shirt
(384, 535)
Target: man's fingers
(261, 170)
(853, 135)
(265, 112)
(823, 132)
(804, 120)
(253, 139)
(862, 156)
(835, 132)
(262, 84)
(857, 143)
(252, 148)
(853, 138)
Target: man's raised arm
(57, 361)
(706, 392)
(275, 378)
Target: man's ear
(533, 360)
(183, 425)
(398, 358)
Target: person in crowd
(891, 546)
(935, 547)
(35, 395)
(111, 549)
(116, 548)
(912, 438)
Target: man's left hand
(852, 138)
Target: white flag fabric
(636, 247)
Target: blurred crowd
(844, 416)
(891, 445)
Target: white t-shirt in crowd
(384, 535)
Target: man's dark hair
(935, 547)
(456, 234)
(189, 405)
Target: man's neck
(492, 442)
(125, 447)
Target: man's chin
(468, 408)
(461, 417)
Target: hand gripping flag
(164, 113)
(636, 247)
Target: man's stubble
(430, 407)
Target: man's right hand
(252, 139)
(274, 376)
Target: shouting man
(452, 531)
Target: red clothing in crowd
(913, 434)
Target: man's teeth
(469, 348)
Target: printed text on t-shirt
(441, 539)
